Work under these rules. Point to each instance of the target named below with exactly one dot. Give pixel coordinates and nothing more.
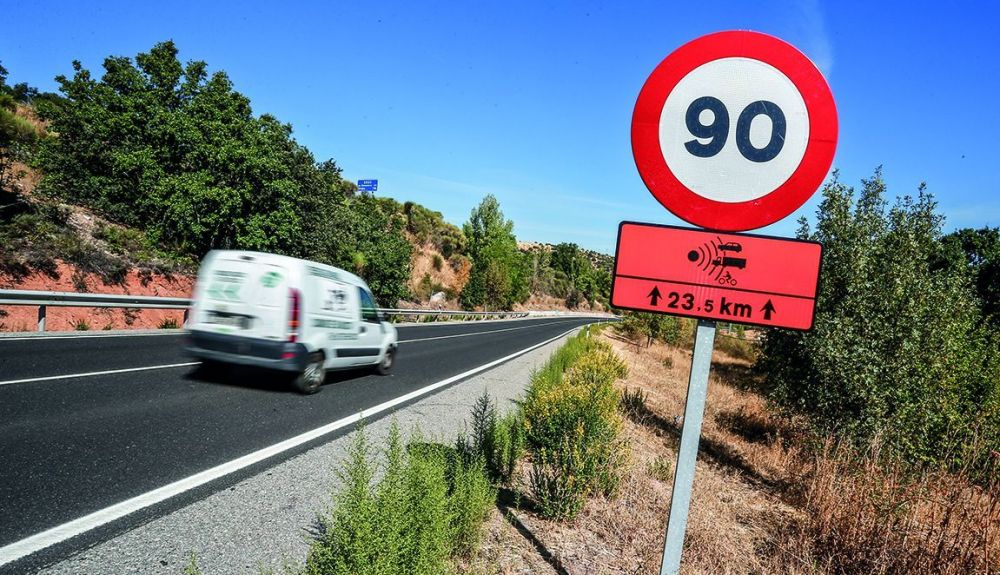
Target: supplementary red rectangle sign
(739, 278)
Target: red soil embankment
(25, 318)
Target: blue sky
(446, 102)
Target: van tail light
(294, 313)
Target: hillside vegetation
(171, 162)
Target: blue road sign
(368, 185)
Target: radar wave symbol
(706, 255)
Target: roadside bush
(645, 328)
(169, 323)
(572, 426)
(472, 496)
(437, 262)
(737, 347)
(428, 506)
(899, 348)
(497, 441)
(556, 484)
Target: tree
(498, 271)
(178, 153)
(17, 137)
(167, 148)
(978, 253)
(365, 238)
(898, 348)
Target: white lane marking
(478, 332)
(90, 336)
(93, 373)
(63, 532)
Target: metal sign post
(687, 454)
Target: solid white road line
(63, 532)
(93, 373)
(89, 336)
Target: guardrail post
(41, 318)
(185, 320)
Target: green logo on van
(270, 279)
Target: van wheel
(388, 360)
(312, 376)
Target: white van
(287, 314)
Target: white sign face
(734, 129)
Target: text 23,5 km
(688, 302)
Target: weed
(496, 441)
(191, 568)
(108, 327)
(437, 261)
(668, 362)
(80, 325)
(169, 323)
(428, 506)
(79, 279)
(661, 469)
(633, 404)
(130, 314)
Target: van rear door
(246, 296)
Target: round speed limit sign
(734, 131)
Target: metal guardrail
(435, 315)
(44, 299)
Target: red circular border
(775, 205)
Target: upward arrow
(654, 296)
(768, 309)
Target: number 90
(718, 131)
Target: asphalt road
(75, 445)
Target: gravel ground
(266, 521)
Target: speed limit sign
(734, 130)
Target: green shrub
(469, 503)
(572, 426)
(899, 349)
(168, 323)
(437, 262)
(661, 468)
(737, 347)
(80, 324)
(428, 506)
(649, 327)
(497, 441)
(556, 484)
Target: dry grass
(764, 501)
(866, 515)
